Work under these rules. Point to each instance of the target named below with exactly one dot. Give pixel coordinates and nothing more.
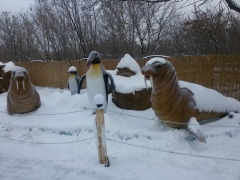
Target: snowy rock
(131, 92)
(10, 66)
(6, 72)
(140, 100)
(128, 66)
(2, 89)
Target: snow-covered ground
(57, 142)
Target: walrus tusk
(151, 80)
(145, 82)
(17, 84)
(23, 85)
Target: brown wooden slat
(218, 72)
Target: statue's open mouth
(147, 77)
(22, 82)
(151, 81)
(148, 73)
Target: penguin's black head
(93, 58)
(72, 72)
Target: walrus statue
(22, 95)
(179, 103)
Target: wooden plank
(217, 72)
(100, 126)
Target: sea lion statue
(180, 103)
(22, 96)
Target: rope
(172, 152)
(46, 143)
(50, 113)
(160, 150)
(171, 121)
(130, 116)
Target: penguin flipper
(112, 83)
(78, 79)
(111, 80)
(105, 78)
(80, 83)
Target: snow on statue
(97, 80)
(179, 103)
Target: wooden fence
(221, 73)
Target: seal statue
(180, 103)
(97, 79)
(22, 96)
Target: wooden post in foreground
(101, 137)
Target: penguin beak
(89, 60)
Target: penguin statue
(73, 80)
(97, 80)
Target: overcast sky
(15, 5)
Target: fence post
(100, 134)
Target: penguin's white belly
(73, 86)
(96, 85)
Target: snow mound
(129, 62)
(128, 84)
(72, 69)
(156, 59)
(136, 145)
(1, 64)
(210, 100)
(10, 66)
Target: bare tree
(207, 32)
(231, 3)
(136, 28)
(70, 29)
(16, 44)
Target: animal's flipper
(78, 79)
(108, 75)
(193, 128)
(80, 83)
(112, 83)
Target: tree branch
(233, 5)
(149, 1)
